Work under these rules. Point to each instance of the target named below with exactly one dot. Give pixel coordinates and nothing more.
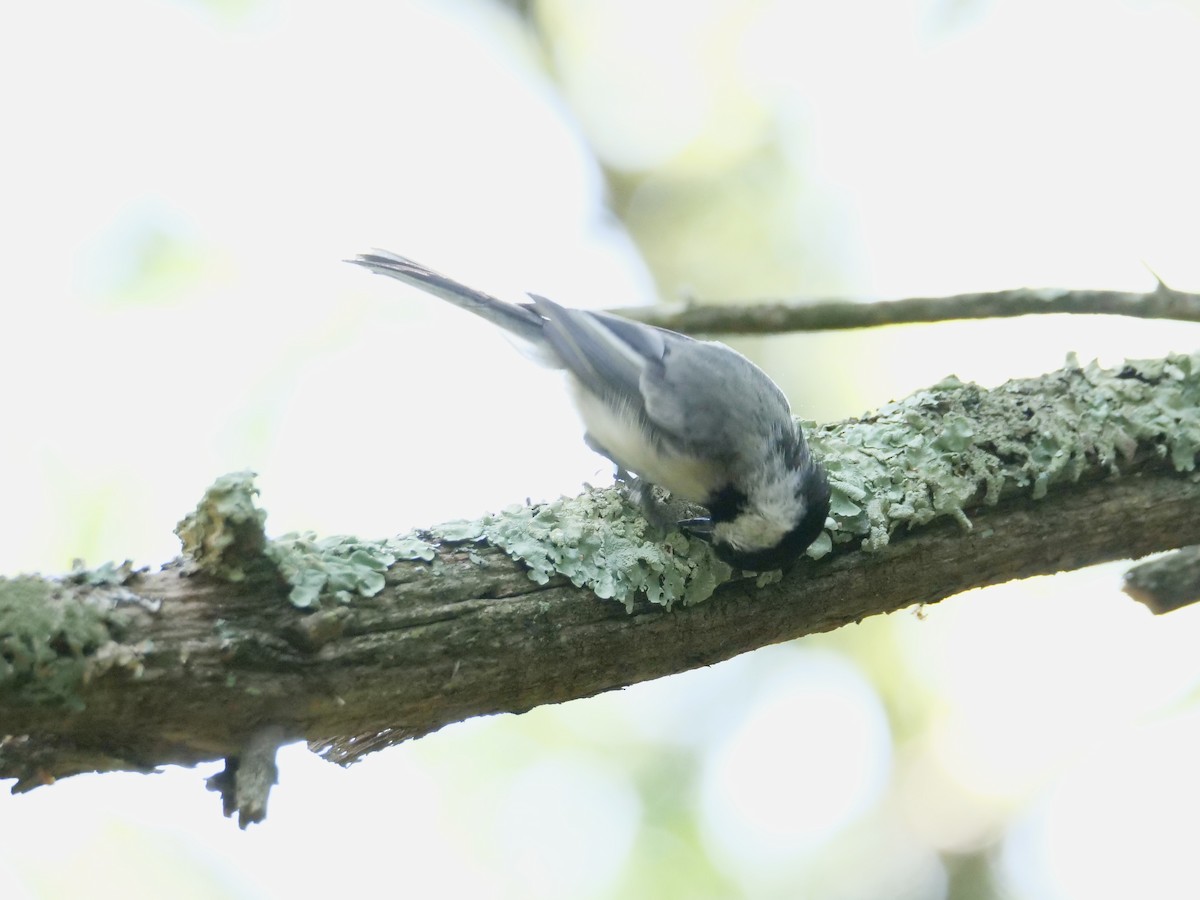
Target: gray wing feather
(715, 400)
(608, 359)
(698, 398)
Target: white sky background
(1042, 143)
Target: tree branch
(952, 489)
(829, 315)
(1166, 584)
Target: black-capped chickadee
(693, 417)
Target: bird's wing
(699, 398)
(608, 355)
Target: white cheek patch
(620, 434)
(773, 511)
(750, 533)
(782, 504)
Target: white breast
(620, 433)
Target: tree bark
(186, 666)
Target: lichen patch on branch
(224, 537)
(941, 452)
(57, 635)
(599, 540)
(955, 446)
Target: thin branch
(953, 489)
(1166, 584)
(828, 315)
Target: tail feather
(521, 321)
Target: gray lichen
(340, 567)
(224, 537)
(935, 454)
(956, 445)
(939, 453)
(56, 636)
(599, 541)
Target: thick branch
(828, 315)
(185, 666)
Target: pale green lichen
(108, 581)
(459, 530)
(943, 450)
(599, 541)
(935, 454)
(55, 636)
(340, 567)
(107, 574)
(224, 535)
(596, 540)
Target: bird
(695, 418)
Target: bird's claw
(701, 527)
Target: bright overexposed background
(178, 184)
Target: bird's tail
(519, 321)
